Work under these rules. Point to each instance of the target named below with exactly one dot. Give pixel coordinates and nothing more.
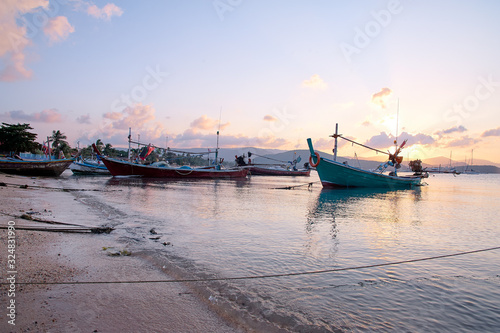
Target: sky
(267, 74)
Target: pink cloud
(206, 123)
(315, 82)
(270, 118)
(380, 98)
(140, 118)
(13, 40)
(58, 29)
(106, 12)
(45, 116)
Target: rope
(269, 158)
(25, 186)
(294, 186)
(260, 276)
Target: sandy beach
(45, 256)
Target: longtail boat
(52, 168)
(282, 169)
(86, 167)
(126, 168)
(276, 171)
(336, 174)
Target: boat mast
(335, 147)
(129, 141)
(217, 148)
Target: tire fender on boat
(311, 161)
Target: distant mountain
(445, 161)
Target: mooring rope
(261, 276)
(26, 186)
(291, 187)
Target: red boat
(270, 171)
(126, 168)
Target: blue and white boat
(89, 167)
(336, 174)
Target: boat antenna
(217, 148)
(397, 127)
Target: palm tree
(99, 144)
(59, 143)
(108, 149)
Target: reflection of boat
(23, 167)
(88, 167)
(335, 174)
(126, 168)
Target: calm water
(250, 228)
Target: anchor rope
(279, 275)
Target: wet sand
(43, 256)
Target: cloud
(384, 141)
(85, 119)
(190, 138)
(45, 116)
(268, 117)
(104, 13)
(140, 118)
(491, 132)
(456, 129)
(315, 82)
(13, 40)
(58, 29)
(206, 123)
(380, 98)
(136, 116)
(464, 141)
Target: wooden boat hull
(335, 174)
(125, 168)
(262, 171)
(52, 168)
(83, 168)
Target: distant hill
(445, 161)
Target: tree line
(17, 138)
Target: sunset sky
(268, 73)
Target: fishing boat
(89, 167)
(336, 174)
(289, 169)
(276, 171)
(19, 166)
(127, 168)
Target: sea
(289, 254)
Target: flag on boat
(146, 151)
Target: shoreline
(43, 256)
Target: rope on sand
(67, 227)
(261, 276)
